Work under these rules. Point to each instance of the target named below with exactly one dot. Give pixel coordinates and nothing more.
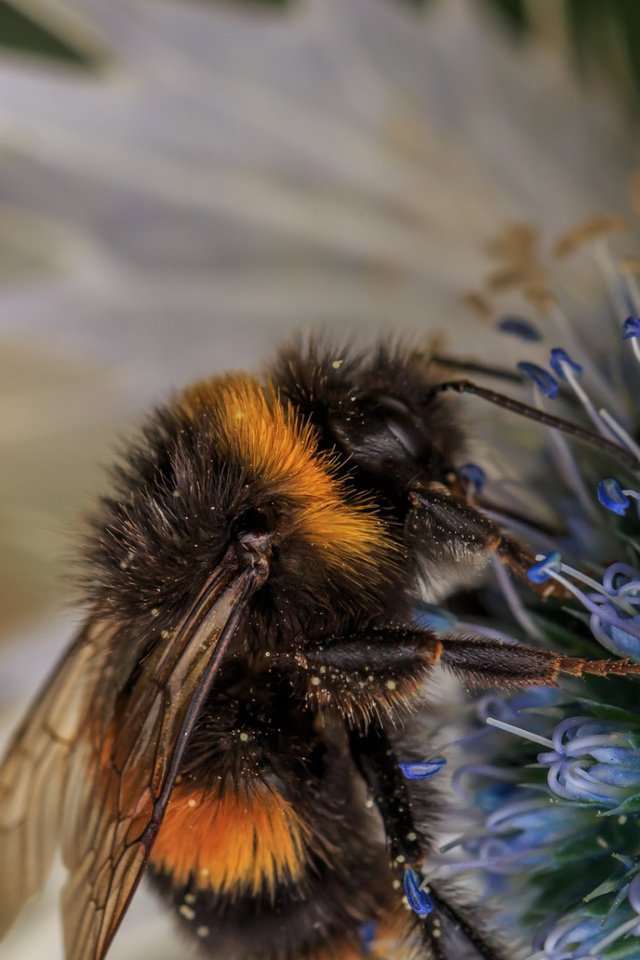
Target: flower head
(556, 777)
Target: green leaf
(19, 31)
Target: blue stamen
(434, 617)
(611, 496)
(560, 361)
(519, 327)
(541, 571)
(368, 933)
(418, 899)
(540, 377)
(631, 332)
(567, 369)
(422, 770)
(473, 475)
(631, 328)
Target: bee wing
(96, 768)
(122, 774)
(33, 773)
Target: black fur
(377, 411)
(320, 653)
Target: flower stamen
(567, 369)
(631, 331)
(519, 732)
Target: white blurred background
(183, 184)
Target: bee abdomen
(247, 839)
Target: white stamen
(514, 603)
(519, 732)
(603, 429)
(620, 433)
(633, 293)
(566, 464)
(597, 587)
(574, 347)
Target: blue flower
(594, 761)
(558, 805)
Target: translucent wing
(122, 777)
(35, 768)
(101, 781)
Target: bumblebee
(230, 717)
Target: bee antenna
(524, 410)
(472, 366)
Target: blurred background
(186, 183)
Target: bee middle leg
(368, 673)
(485, 662)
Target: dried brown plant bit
(517, 241)
(540, 297)
(634, 190)
(629, 265)
(516, 251)
(479, 303)
(587, 230)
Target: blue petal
(614, 775)
(618, 756)
(421, 771)
(539, 572)
(611, 496)
(419, 901)
(519, 327)
(631, 328)
(620, 576)
(558, 359)
(473, 475)
(625, 643)
(540, 377)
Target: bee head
(378, 411)
(229, 463)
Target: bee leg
(484, 662)
(440, 517)
(408, 846)
(367, 672)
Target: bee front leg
(448, 524)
